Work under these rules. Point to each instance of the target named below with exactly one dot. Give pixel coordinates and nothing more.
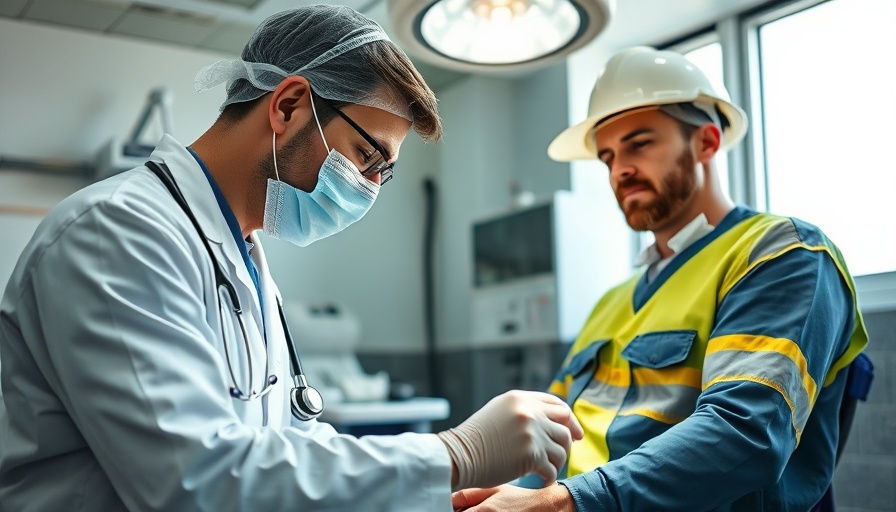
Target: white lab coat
(114, 378)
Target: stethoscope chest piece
(306, 401)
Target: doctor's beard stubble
(677, 188)
(292, 165)
(292, 162)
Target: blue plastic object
(861, 374)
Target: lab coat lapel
(202, 202)
(201, 198)
(278, 399)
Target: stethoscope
(306, 402)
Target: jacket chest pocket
(581, 368)
(659, 349)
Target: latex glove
(514, 434)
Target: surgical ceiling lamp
(496, 35)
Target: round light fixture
(496, 35)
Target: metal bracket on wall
(159, 98)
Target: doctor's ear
(290, 101)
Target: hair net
(318, 42)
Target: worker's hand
(553, 498)
(517, 433)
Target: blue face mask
(342, 196)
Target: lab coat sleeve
(742, 433)
(120, 302)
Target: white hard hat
(645, 77)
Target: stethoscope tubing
(312, 409)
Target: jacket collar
(195, 187)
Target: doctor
(144, 360)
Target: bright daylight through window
(709, 59)
(829, 100)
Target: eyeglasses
(380, 160)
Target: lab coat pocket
(581, 368)
(659, 349)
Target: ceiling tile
(248, 4)
(169, 26)
(90, 15)
(12, 8)
(229, 38)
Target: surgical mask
(341, 198)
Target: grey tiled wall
(865, 480)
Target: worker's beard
(677, 189)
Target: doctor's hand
(553, 498)
(517, 433)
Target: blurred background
(478, 264)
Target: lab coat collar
(201, 198)
(195, 187)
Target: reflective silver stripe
(775, 239)
(770, 368)
(604, 395)
(669, 400)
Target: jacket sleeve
(120, 304)
(777, 333)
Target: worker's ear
(706, 140)
(290, 102)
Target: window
(709, 59)
(818, 84)
(828, 98)
(705, 52)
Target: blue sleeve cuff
(590, 491)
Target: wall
(539, 107)
(863, 481)
(64, 92)
(24, 200)
(476, 169)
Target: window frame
(738, 35)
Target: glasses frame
(383, 167)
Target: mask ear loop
(316, 120)
(274, 152)
(319, 129)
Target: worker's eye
(638, 145)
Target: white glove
(517, 433)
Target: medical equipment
(330, 334)
(118, 155)
(357, 402)
(306, 402)
(536, 272)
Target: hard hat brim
(574, 143)
(577, 141)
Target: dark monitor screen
(517, 245)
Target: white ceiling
(225, 25)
